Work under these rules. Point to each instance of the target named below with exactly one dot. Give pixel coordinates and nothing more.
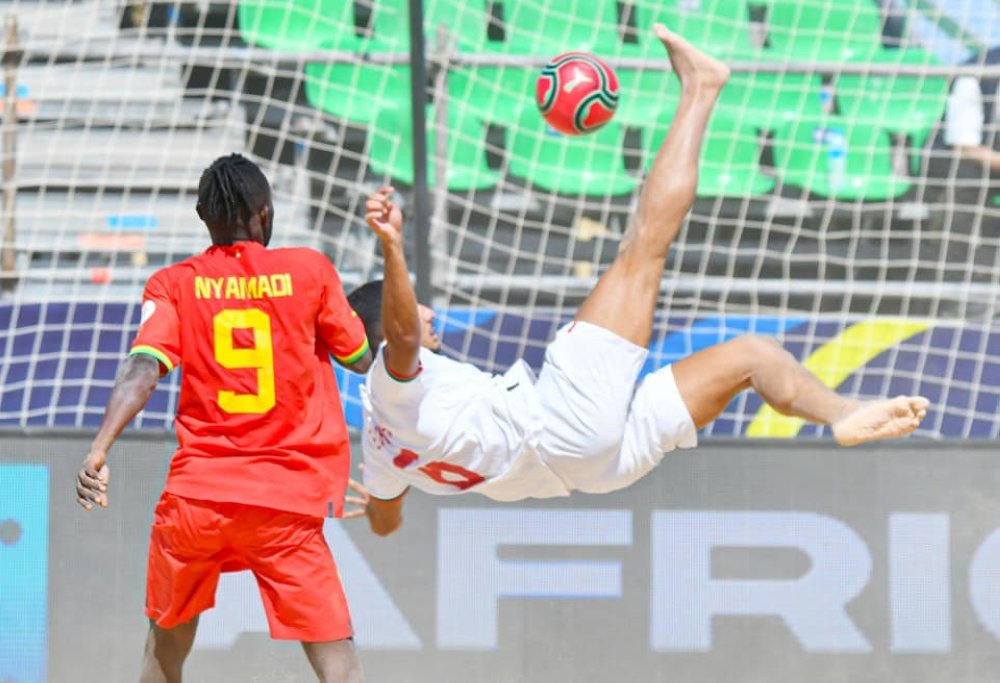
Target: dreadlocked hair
(231, 190)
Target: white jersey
(584, 425)
(454, 428)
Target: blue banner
(58, 362)
(24, 557)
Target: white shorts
(602, 433)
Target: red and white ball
(577, 93)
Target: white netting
(830, 213)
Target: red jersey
(259, 419)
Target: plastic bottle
(836, 159)
(826, 98)
(964, 117)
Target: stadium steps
(111, 223)
(125, 158)
(94, 248)
(99, 94)
(45, 25)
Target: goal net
(833, 212)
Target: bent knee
(757, 354)
(757, 345)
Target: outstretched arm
(401, 326)
(980, 154)
(133, 387)
(384, 516)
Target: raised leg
(334, 661)
(709, 379)
(166, 650)
(624, 299)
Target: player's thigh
(585, 386)
(186, 548)
(624, 298)
(298, 580)
(709, 379)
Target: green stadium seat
(823, 30)
(325, 24)
(467, 22)
(909, 105)
(720, 27)
(497, 94)
(555, 26)
(761, 99)
(730, 157)
(767, 100)
(578, 165)
(905, 56)
(298, 24)
(802, 154)
(391, 148)
(355, 92)
(646, 95)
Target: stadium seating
(112, 136)
(556, 26)
(807, 154)
(123, 95)
(388, 24)
(767, 100)
(591, 164)
(646, 96)
(299, 24)
(391, 148)
(126, 158)
(730, 156)
(909, 105)
(132, 222)
(720, 27)
(495, 93)
(46, 25)
(354, 91)
(467, 22)
(762, 99)
(751, 104)
(823, 30)
(325, 24)
(337, 24)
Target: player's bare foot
(693, 67)
(885, 419)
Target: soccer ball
(577, 93)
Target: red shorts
(192, 541)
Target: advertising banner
(768, 561)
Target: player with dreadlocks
(262, 451)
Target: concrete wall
(739, 561)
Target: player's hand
(92, 483)
(359, 501)
(383, 216)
